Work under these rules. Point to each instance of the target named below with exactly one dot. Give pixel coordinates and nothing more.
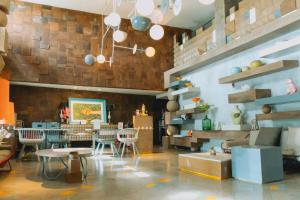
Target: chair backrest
(128, 134)
(60, 133)
(78, 128)
(107, 134)
(31, 135)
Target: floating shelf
(179, 121)
(190, 111)
(279, 99)
(272, 30)
(185, 91)
(279, 116)
(248, 96)
(163, 95)
(260, 71)
(281, 49)
(178, 84)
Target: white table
(63, 154)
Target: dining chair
(128, 137)
(106, 137)
(30, 137)
(56, 138)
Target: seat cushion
(5, 153)
(268, 137)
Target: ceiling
(193, 13)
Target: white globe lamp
(156, 16)
(100, 59)
(113, 19)
(144, 7)
(150, 52)
(119, 36)
(206, 2)
(157, 32)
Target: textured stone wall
(39, 104)
(48, 44)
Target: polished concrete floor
(153, 176)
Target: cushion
(5, 153)
(269, 137)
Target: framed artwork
(83, 110)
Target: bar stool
(30, 137)
(106, 137)
(128, 137)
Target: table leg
(84, 167)
(45, 171)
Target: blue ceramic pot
(140, 23)
(236, 70)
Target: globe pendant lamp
(89, 59)
(157, 32)
(150, 52)
(113, 19)
(101, 59)
(206, 2)
(144, 7)
(156, 16)
(119, 36)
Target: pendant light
(144, 7)
(150, 52)
(101, 59)
(113, 19)
(157, 32)
(119, 36)
(206, 2)
(156, 16)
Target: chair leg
(136, 149)
(21, 154)
(112, 149)
(116, 150)
(102, 149)
(123, 150)
(97, 148)
(36, 149)
(52, 146)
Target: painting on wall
(87, 110)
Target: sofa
(7, 152)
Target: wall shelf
(190, 111)
(185, 91)
(272, 30)
(279, 99)
(249, 96)
(178, 84)
(281, 49)
(279, 116)
(180, 121)
(163, 95)
(260, 71)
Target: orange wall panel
(4, 99)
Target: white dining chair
(106, 137)
(30, 137)
(128, 137)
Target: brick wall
(48, 44)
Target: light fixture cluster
(145, 12)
